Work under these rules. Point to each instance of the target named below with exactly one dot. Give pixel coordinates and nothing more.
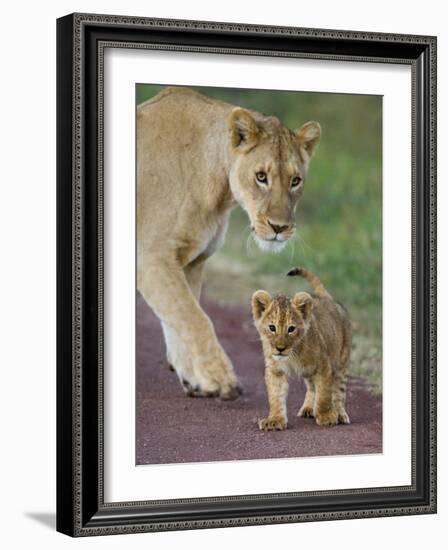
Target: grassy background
(338, 220)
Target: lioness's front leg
(179, 359)
(165, 287)
(178, 355)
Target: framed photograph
(246, 274)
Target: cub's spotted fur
(307, 335)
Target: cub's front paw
(306, 412)
(272, 423)
(329, 418)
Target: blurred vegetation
(338, 220)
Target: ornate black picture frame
(81, 40)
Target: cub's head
(281, 321)
(269, 163)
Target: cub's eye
(291, 329)
(295, 181)
(272, 328)
(262, 177)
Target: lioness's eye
(261, 177)
(272, 328)
(291, 329)
(295, 181)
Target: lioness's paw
(327, 419)
(272, 423)
(343, 417)
(306, 412)
(217, 377)
(196, 391)
(231, 393)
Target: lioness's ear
(260, 301)
(308, 136)
(243, 130)
(304, 303)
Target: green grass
(339, 219)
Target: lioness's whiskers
(292, 249)
(310, 248)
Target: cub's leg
(307, 409)
(277, 388)
(165, 287)
(340, 392)
(324, 411)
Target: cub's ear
(308, 136)
(243, 130)
(261, 300)
(304, 303)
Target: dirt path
(174, 428)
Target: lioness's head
(268, 166)
(282, 322)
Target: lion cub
(308, 335)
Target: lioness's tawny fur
(198, 158)
(308, 335)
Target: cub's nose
(280, 348)
(278, 228)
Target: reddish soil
(172, 427)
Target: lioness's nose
(280, 348)
(278, 228)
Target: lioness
(197, 159)
(308, 335)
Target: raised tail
(313, 280)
